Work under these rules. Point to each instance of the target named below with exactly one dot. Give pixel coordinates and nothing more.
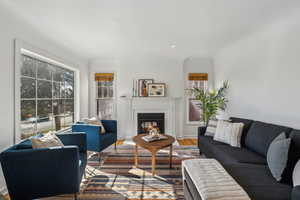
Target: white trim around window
(21, 48)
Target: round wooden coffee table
(153, 147)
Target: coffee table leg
(171, 155)
(153, 163)
(136, 156)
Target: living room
(95, 75)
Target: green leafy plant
(211, 101)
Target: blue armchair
(95, 140)
(35, 173)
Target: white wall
(263, 70)
(12, 28)
(162, 69)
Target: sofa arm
(110, 126)
(78, 139)
(34, 173)
(201, 130)
(296, 193)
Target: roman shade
(101, 77)
(198, 77)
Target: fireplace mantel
(165, 105)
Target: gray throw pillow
(277, 155)
(296, 174)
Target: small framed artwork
(193, 111)
(143, 87)
(157, 89)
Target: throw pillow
(296, 174)
(211, 128)
(230, 133)
(96, 121)
(46, 141)
(277, 155)
(236, 131)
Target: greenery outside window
(47, 96)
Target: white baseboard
(3, 191)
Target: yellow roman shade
(198, 77)
(104, 77)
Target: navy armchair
(96, 141)
(35, 173)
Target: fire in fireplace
(146, 120)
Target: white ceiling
(113, 28)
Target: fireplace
(144, 120)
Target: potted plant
(211, 101)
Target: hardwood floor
(187, 141)
(184, 142)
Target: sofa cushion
(262, 134)
(258, 182)
(247, 124)
(228, 154)
(294, 156)
(206, 145)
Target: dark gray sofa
(248, 165)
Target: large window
(195, 80)
(47, 96)
(105, 95)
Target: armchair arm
(296, 193)
(78, 139)
(201, 130)
(33, 173)
(110, 126)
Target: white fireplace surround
(166, 105)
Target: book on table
(152, 138)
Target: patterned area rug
(116, 178)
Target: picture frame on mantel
(143, 87)
(157, 90)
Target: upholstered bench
(206, 179)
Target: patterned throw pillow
(96, 121)
(46, 141)
(229, 133)
(211, 128)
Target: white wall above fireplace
(137, 105)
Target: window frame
(23, 48)
(94, 93)
(189, 98)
